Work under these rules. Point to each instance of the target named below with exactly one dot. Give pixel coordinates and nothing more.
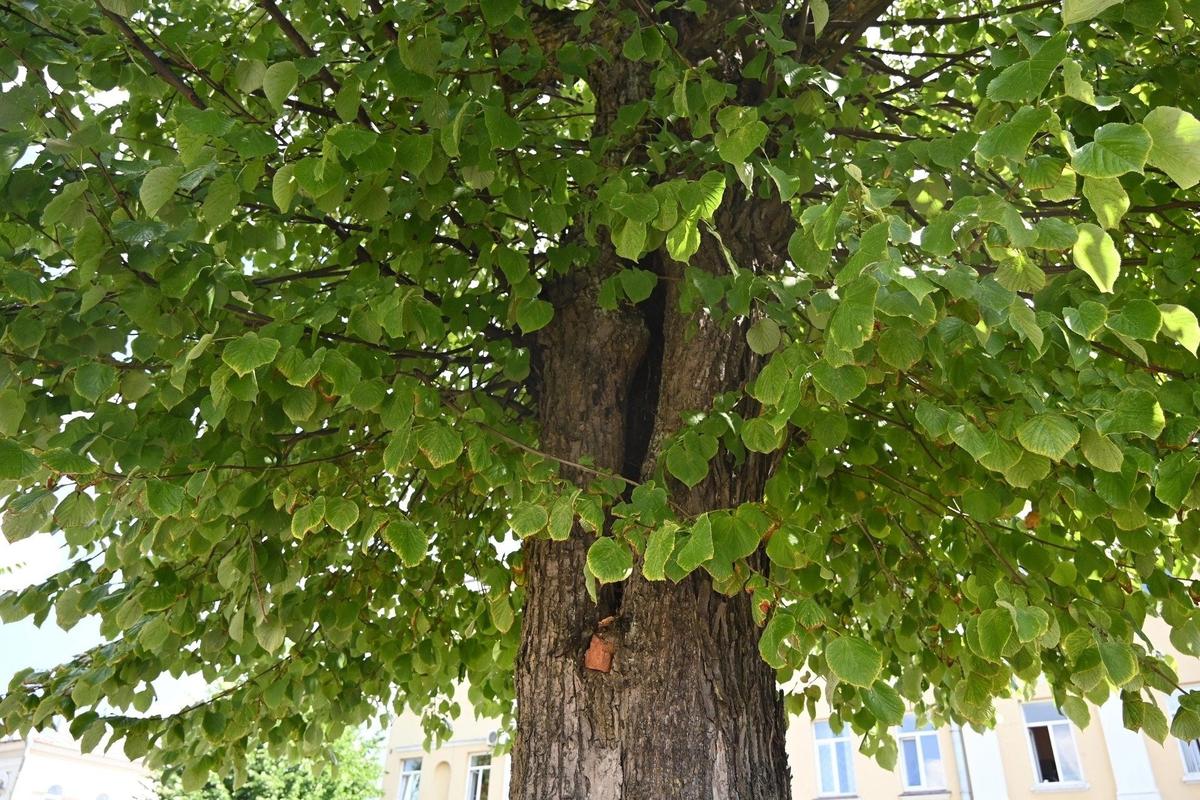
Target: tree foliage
(273, 275)
(348, 770)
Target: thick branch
(160, 66)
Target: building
(48, 765)
(1034, 751)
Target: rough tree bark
(688, 709)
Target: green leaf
(308, 517)
(771, 642)
(1080, 10)
(1030, 623)
(1025, 80)
(1176, 148)
(697, 548)
(764, 336)
(528, 519)
(1100, 451)
(901, 347)
(440, 443)
(1108, 200)
(995, 628)
(1011, 139)
(844, 383)
(659, 547)
(1096, 254)
(164, 499)
(1074, 84)
(407, 541)
(683, 240)
(283, 186)
(269, 633)
(94, 381)
(854, 660)
(1179, 323)
(414, 151)
(1087, 320)
(498, 12)
(158, 187)
(1116, 148)
(278, 82)
(504, 131)
(642, 207)
(1137, 319)
(562, 518)
(15, 463)
(1135, 411)
(638, 283)
(853, 320)
(1174, 478)
(249, 352)
(1051, 435)
(885, 703)
(1119, 662)
(760, 437)
(341, 513)
(687, 459)
(609, 561)
(12, 411)
(221, 199)
(533, 315)
(501, 612)
(629, 239)
(740, 135)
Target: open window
(1052, 744)
(479, 773)
(410, 779)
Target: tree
(349, 771)
(851, 340)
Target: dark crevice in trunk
(641, 406)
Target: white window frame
(1193, 746)
(917, 736)
(1039, 784)
(831, 742)
(475, 776)
(409, 787)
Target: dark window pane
(1044, 754)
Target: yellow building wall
(444, 771)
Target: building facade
(1033, 753)
(48, 765)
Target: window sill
(1064, 786)
(837, 797)
(925, 793)
(1191, 777)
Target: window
(921, 763)
(478, 773)
(834, 765)
(1055, 759)
(1190, 749)
(410, 779)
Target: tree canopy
(273, 276)
(349, 772)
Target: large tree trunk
(688, 708)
